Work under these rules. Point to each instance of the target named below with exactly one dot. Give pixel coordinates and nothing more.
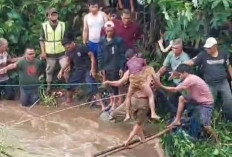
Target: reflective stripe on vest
(53, 38)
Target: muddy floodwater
(76, 132)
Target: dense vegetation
(20, 20)
(192, 20)
(180, 144)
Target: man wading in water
(29, 70)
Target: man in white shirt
(93, 24)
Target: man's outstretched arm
(120, 82)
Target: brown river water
(76, 132)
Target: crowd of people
(109, 50)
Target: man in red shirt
(129, 31)
(198, 93)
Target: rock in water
(105, 116)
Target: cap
(109, 24)
(51, 10)
(210, 42)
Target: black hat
(183, 68)
(67, 41)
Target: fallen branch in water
(133, 144)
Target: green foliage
(192, 21)
(180, 144)
(46, 99)
(20, 20)
(4, 151)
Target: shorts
(113, 75)
(80, 76)
(203, 111)
(205, 114)
(93, 47)
(139, 109)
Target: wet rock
(105, 116)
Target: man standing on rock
(53, 32)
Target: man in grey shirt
(173, 59)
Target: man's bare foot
(155, 116)
(174, 124)
(126, 143)
(140, 134)
(141, 138)
(127, 118)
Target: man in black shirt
(84, 68)
(111, 57)
(215, 67)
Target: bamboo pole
(132, 145)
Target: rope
(59, 84)
(68, 108)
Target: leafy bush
(180, 144)
(20, 20)
(194, 20)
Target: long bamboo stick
(132, 145)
